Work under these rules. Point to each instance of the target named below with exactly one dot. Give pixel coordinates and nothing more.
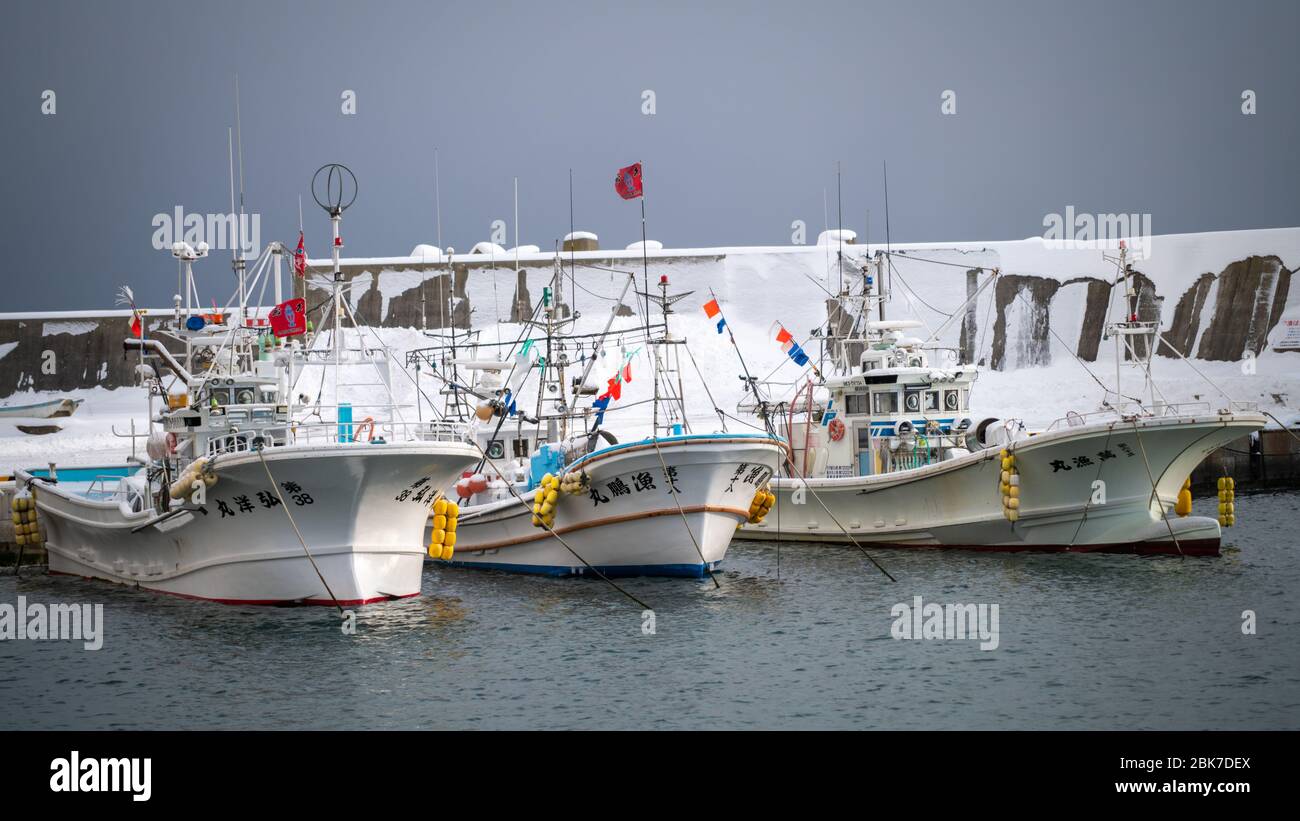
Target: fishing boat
(557, 493)
(55, 408)
(248, 495)
(884, 451)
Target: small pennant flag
(627, 371)
(601, 405)
(300, 257)
(791, 348)
(711, 310)
(628, 182)
(125, 296)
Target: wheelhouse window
(952, 400)
(932, 400)
(521, 448)
(885, 401)
(856, 403)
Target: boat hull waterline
(627, 522)
(239, 547)
(1084, 489)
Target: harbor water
(795, 637)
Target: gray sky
(1106, 106)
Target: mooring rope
(672, 490)
(510, 487)
(301, 540)
(1164, 514)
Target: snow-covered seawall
(1219, 297)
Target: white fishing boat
(556, 493)
(623, 513)
(247, 496)
(53, 409)
(885, 452)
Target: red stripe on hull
(1189, 547)
(255, 602)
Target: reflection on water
(1085, 642)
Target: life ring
(837, 429)
(369, 421)
(171, 442)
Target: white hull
(43, 410)
(958, 503)
(344, 498)
(636, 531)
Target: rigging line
(529, 508)
(301, 540)
(433, 408)
(906, 255)
(1101, 464)
(1101, 384)
(910, 304)
(1161, 338)
(672, 489)
(721, 417)
(842, 528)
(917, 294)
(603, 268)
(1164, 514)
(988, 315)
(1290, 432)
(772, 433)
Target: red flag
(627, 372)
(137, 327)
(300, 257)
(615, 389)
(783, 336)
(289, 318)
(711, 308)
(628, 182)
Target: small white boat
(41, 410)
(623, 519)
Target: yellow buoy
(440, 507)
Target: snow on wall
(1217, 296)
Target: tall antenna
(239, 142)
(238, 254)
(888, 248)
(839, 231)
(573, 276)
(437, 196)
